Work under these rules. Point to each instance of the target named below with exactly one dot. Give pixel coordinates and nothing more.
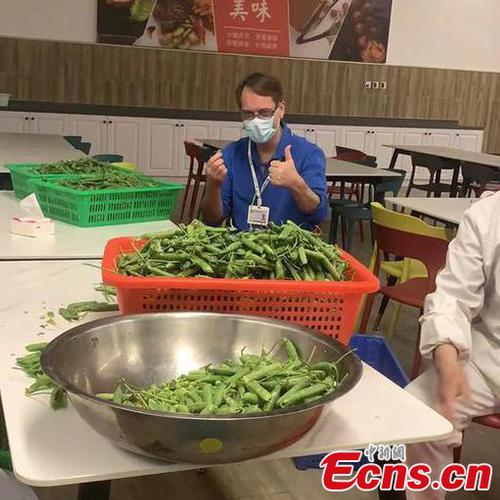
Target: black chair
(352, 212)
(85, 147)
(435, 167)
(74, 140)
(475, 177)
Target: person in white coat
(461, 334)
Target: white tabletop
(55, 448)
(68, 242)
(214, 143)
(451, 153)
(445, 209)
(343, 170)
(34, 148)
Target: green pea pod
(275, 394)
(260, 391)
(58, 398)
(302, 256)
(250, 397)
(40, 346)
(300, 395)
(279, 270)
(291, 350)
(203, 264)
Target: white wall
(456, 34)
(71, 20)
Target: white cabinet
(380, 137)
(470, 140)
(158, 147)
(324, 136)
(438, 138)
(93, 129)
(302, 130)
(123, 137)
(356, 138)
(229, 131)
(189, 130)
(49, 123)
(14, 122)
(371, 141)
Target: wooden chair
(435, 167)
(431, 251)
(198, 155)
(399, 271)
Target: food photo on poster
(315, 26)
(365, 34)
(180, 24)
(122, 22)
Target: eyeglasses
(264, 114)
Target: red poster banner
(258, 27)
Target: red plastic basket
(326, 306)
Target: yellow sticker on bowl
(210, 445)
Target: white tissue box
(33, 227)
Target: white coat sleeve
(459, 293)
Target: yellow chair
(126, 165)
(405, 269)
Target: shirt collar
(279, 154)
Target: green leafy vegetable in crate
(30, 364)
(280, 252)
(250, 384)
(108, 179)
(83, 166)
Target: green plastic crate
(22, 175)
(107, 207)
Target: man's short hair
(261, 84)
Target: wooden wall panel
(102, 74)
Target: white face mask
(260, 130)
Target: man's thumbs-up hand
(283, 173)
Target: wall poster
(339, 30)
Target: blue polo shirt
(238, 189)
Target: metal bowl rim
(86, 328)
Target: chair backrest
(431, 163)
(340, 150)
(84, 147)
(479, 174)
(108, 158)
(391, 186)
(197, 152)
(429, 250)
(74, 140)
(404, 222)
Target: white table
(68, 242)
(34, 148)
(459, 155)
(449, 210)
(56, 448)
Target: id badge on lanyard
(258, 215)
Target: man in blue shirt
(270, 176)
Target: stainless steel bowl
(152, 348)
